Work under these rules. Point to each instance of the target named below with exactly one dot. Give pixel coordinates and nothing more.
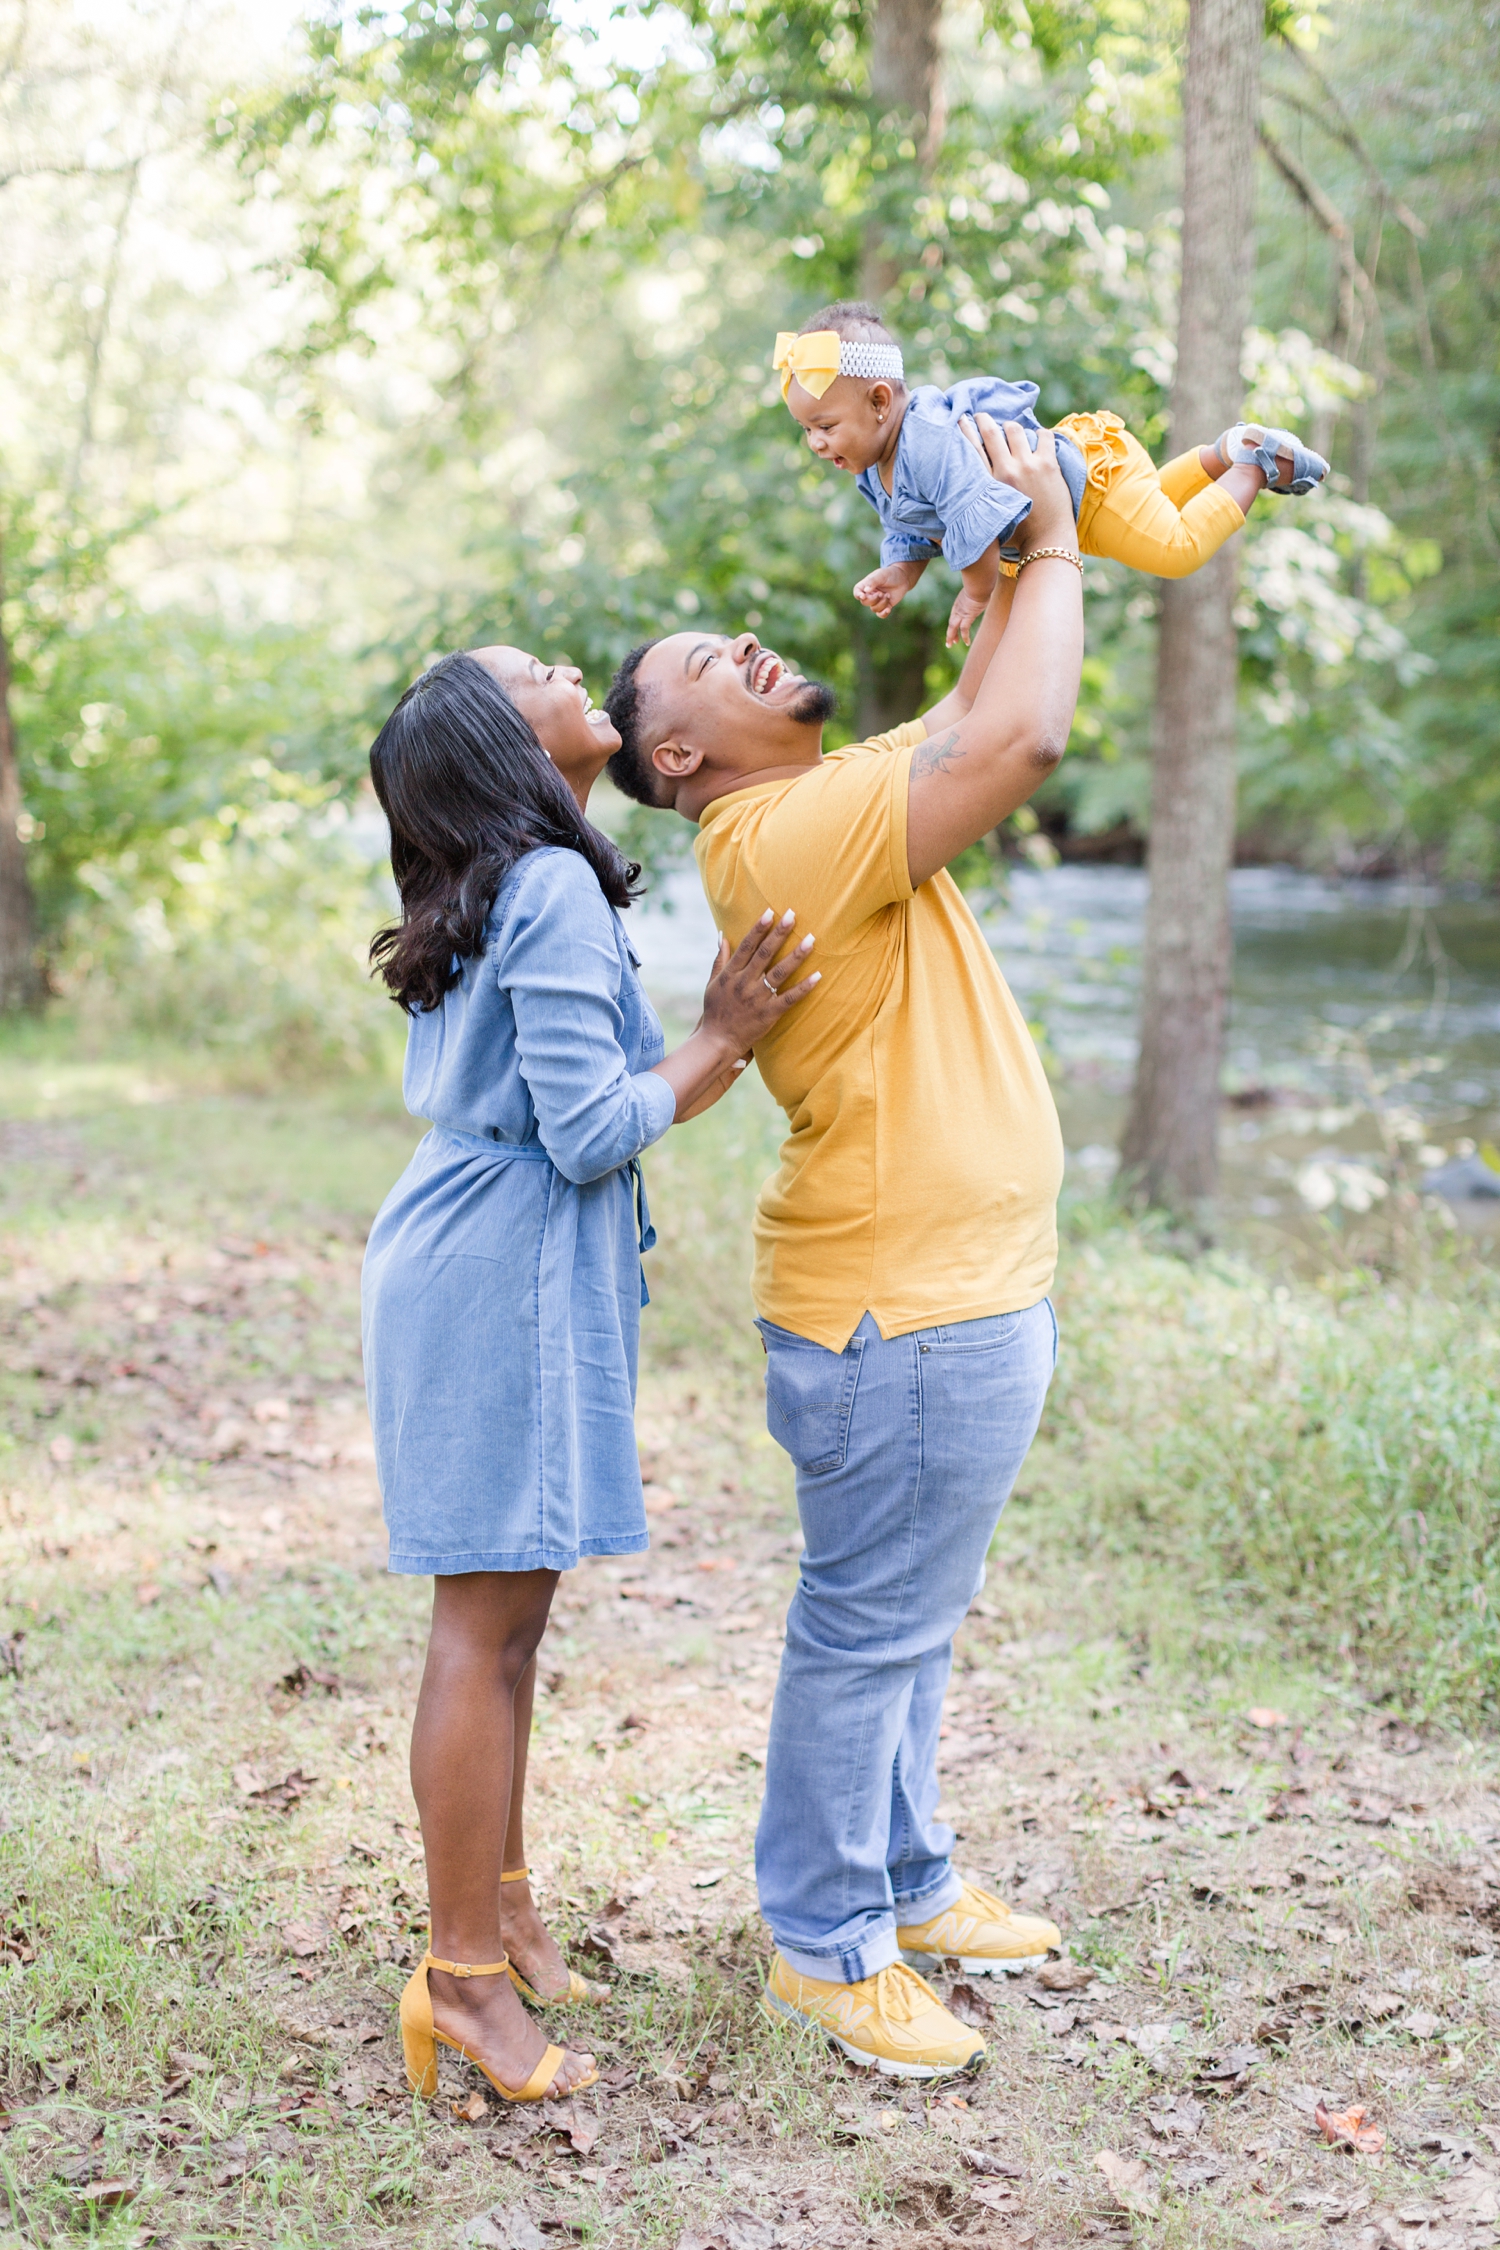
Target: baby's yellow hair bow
(814, 359)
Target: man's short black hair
(630, 768)
(854, 321)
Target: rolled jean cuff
(867, 1959)
(922, 1906)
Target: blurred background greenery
(330, 343)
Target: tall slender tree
(1170, 1146)
(21, 982)
(906, 102)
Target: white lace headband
(873, 363)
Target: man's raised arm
(994, 740)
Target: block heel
(420, 2038)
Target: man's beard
(815, 705)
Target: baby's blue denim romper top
(941, 489)
(502, 1281)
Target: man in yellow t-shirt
(903, 1251)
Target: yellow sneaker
(982, 1934)
(893, 2020)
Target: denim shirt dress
(502, 1280)
(941, 490)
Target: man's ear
(676, 760)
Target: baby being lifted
(842, 377)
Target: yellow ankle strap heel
(420, 2038)
(579, 1989)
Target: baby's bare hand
(963, 617)
(889, 586)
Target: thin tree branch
(101, 331)
(69, 172)
(1329, 218)
(1348, 133)
(1341, 131)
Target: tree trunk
(1170, 1146)
(906, 86)
(905, 79)
(890, 669)
(21, 983)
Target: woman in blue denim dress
(502, 1281)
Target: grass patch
(197, 1988)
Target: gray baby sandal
(1256, 445)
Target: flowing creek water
(1365, 1019)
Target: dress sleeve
(974, 507)
(907, 546)
(556, 956)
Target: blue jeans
(906, 1451)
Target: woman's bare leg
(485, 1629)
(528, 1941)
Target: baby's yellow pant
(1166, 522)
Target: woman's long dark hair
(467, 789)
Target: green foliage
(188, 792)
(591, 217)
(1325, 1464)
(596, 228)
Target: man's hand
(994, 740)
(1012, 460)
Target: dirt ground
(1271, 1908)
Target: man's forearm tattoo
(935, 757)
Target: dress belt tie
(532, 1152)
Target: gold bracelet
(1063, 554)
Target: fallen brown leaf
(280, 1796)
(1262, 1715)
(108, 2195)
(580, 2128)
(474, 2110)
(304, 1939)
(1064, 1976)
(994, 2167)
(1376, 2006)
(303, 1678)
(1129, 2181)
(1474, 2195)
(1346, 2128)
(1179, 2120)
(969, 2004)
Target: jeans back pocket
(809, 1396)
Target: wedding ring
(768, 984)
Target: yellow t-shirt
(919, 1180)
